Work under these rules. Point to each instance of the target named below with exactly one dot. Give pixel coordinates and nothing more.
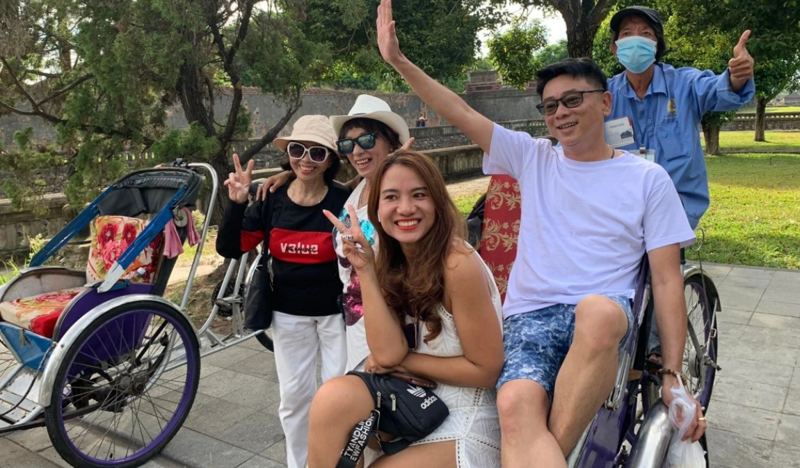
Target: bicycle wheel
(701, 340)
(7, 361)
(125, 386)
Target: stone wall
(773, 121)
(266, 110)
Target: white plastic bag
(683, 454)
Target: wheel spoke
(117, 369)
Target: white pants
(297, 341)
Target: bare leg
(337, 407)
(434, 455)
(589, 370)
(526, 442)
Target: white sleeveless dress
(473, 421)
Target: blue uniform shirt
(667, 120)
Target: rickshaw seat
(501, 223)
(111, 235)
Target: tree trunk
(580, 38)
(192, 94)
(761, 110)
(221, 165)
(583, 18)
(711, 136)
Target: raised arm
(445, 102)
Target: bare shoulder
(463, 268)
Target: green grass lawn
(774, 109)
(754, 218)
(744, 140)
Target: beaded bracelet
(666, 370)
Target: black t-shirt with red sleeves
(306, 277)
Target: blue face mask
(636, 53)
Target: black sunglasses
(317, 154)
(365, 141)
(570, 101)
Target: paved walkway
(754, 416)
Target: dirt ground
(468, 187)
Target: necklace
(613, 153)
(361, 197)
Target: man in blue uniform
(664, 105)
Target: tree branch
(83, 127)
(210, 87)
(67, 89)
(17, 83)
(248, 12)
(15, 110)
(248, 154)
(230, 69)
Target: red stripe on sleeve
(251, 239)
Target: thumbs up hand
(741, 65)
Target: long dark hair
(415, 286)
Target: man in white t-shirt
(589, 215)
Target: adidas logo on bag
(428, 401)
(416, 391)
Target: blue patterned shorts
(536, 343)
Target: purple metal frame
(611, 426)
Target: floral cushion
(501, 223)
(38, 314)
(111, 235)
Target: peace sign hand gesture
(238, 182)
(355, 245)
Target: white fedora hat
(314, 128)
(370, 107)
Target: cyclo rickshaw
(111, 368)
(99, 357)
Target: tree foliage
(36, 169)
(552, 53)
(774, 42)
(582, 17)
(106, 74)
(512, 52)
(440, 36)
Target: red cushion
(501, 221)
(39, 313)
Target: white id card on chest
(619, 132)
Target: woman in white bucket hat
(367, 135)
(305, 320)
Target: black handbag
(407, 412)
(258, 304)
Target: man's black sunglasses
(570, 101)
(348, 145)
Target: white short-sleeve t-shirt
(585, 226)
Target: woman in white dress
(425, 277)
